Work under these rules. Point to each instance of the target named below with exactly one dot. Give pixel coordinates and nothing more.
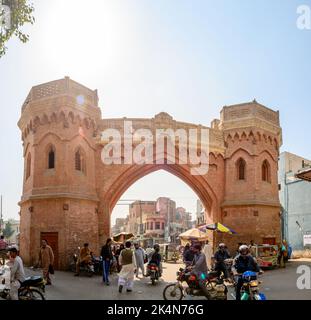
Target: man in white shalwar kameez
(208, 251)
(127, 262)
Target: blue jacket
(243, 264)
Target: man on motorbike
(199, 267)
(188, 255)
(85, 258)
(243, 262)
(156, 258)
(17, 272)
(220, 256)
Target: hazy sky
(188, 58)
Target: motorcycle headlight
(254, 283)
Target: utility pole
(140, 221)
(169, 220)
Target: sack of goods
(217, 291)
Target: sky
(187, 58)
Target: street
(278, 284)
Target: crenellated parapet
(61, 101)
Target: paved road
(277, 284)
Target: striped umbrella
(217, 226)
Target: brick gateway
(69, 194)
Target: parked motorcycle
(153, 272)
(87, 269)
(32, 288)
(217, 290)
(98, 264)
(250, 288)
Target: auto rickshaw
(266, 255)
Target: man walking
(107, 256)
(208, 251)
(139, 256)
(128, 262)
(46, 260)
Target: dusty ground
(277, 284)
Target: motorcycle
(98, 264)
(250, 287)
(217, 290)
(153, 272)
(87, 269)
(33, 288)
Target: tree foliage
(13, 15)
(8, 231)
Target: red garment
(3, 244)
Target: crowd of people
(201, 261)
(129, 259)
(15, 263)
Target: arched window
(265, 171)
(51, 158)
(80, 161)
(28, 166)
(241, 168)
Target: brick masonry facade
(73, 199)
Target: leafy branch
(20, 13)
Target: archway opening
(157, 207)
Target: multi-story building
(295, 198)
(157, 221)
(183, 219)
(119, 225)
(138, 212)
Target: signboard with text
(307, 239)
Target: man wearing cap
(220, 256)
(140, 257)
(17, 272)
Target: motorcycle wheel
(153, 281)
(172, 293)
(73, 267)
(31, 294)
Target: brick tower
(59, 202)
(252, 136)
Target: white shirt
(17, 270)
(208, 251)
